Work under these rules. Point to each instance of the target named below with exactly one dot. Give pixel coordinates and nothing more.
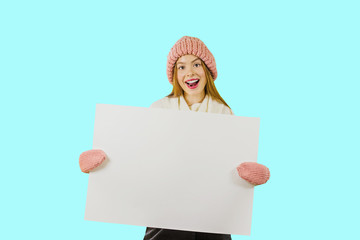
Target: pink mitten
(91, 159)
(254, 173)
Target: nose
(189, 73)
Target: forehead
(187, 58)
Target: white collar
(197, 107)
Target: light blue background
(294, 64)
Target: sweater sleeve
(227, 110)
(157, 104)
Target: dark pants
(168, 234)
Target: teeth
(192, 81)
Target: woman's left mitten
(91, 159)
(253, 172)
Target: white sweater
(207, 105)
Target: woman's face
(191, 75)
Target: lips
(192, 83)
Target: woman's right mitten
(91, 159)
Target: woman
(191, 69)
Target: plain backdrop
(294, 64)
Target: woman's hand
(91, 159)
(253, 172)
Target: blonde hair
(210, 88)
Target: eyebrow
(191, 61)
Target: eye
(197, 64)
(181, 67)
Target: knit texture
(91, 159)
(207, 105)
(254, 173)
(193, 46)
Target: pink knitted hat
(194, 46)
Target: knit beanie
(194, 46)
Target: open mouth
(192, 83)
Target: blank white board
(172, 169)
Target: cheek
(180, 76)
(201, 73)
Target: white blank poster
(172, 169)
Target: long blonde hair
(209, 87)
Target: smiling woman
(191, 69)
